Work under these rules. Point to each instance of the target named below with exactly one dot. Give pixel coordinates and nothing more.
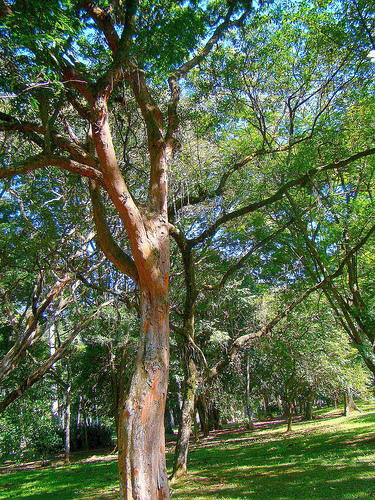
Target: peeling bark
(142, 466)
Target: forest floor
(331, 457)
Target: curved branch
(45, 160)
(233, 268)
(105, 240)
(217, 34)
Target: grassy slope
(330, 458)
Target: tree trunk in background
(169, 421)
(309, 405)
(265, 403)
(52, 350)
(249, 409)
(203, 414)
(118, 376)
(191, 375)
(351, 406)
(187, 416)
(67, 421)
(289, 418)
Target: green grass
(332, 457)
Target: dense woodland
(187, 221)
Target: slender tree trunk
(249, 409)
(265, 402)
(67, 421)
(115, 384)
(187, 418)
(288, 414)
(289, 421)
(169, 422)
(141, 443)
(190, 368)
(308, 406)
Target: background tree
(264, 113)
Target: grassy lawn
(332, 457)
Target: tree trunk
(67, 421)
(308, 406)
(190, 369)
(265, 403)
(203, 414)
(141, 443)
(351, 406)
(249, 408)
(54, 397)
(187, 419)
(288, 409)
(169, 422)
(289, 421)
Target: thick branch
(104, 22)
(44, 160)
(37, 134)
(120, 46)
(106, 242)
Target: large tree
(64, 63)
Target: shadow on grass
(78, 481)
(306, 465)
(333, 460)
